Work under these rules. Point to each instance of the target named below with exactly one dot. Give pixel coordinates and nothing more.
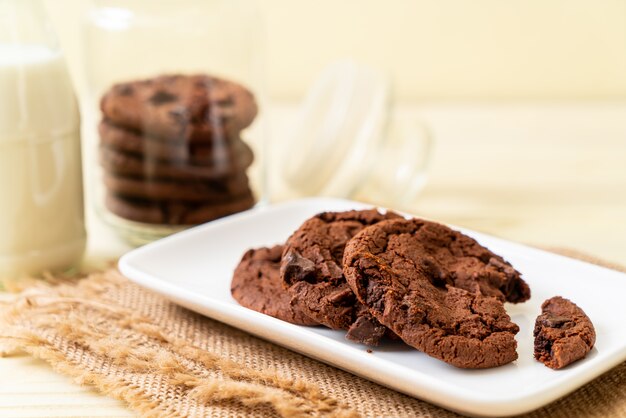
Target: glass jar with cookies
(174, 112)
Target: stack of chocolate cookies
(171, 149)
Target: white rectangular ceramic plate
(193, 268)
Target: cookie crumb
(369, 351)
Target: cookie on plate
(563, 333)
(312, 271)
(256, 285)
(403, 270)
(193, 108)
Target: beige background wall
(437, 49)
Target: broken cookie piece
(563, 333)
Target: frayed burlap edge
(64, 310)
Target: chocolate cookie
(401, 269)
(312, 271)
(206, 191)
(195, 108)
(127, 165)
(234, 151)
(563, 333)
(174, 213)
(256, 285)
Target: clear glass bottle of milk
(41, 197)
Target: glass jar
(349, 141)
(174, 117)
(41, 197)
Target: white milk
(41, 200)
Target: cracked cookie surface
(256, 285)
(312, 271)
(437, 289)
(563, 333)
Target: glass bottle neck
(25, 22)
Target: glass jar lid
(338, 129)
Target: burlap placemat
(163, 360)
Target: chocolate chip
(162, 97)
(225, 102)
(342, 297)
(298, 268)
(124, 90)
(366, 330)
(554, 321)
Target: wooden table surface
(550, 175)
